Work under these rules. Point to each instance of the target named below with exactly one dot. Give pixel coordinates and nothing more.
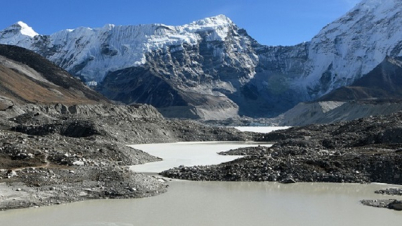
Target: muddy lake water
(217, 203)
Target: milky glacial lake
(218, 203)
(221, 203)
(187, 154)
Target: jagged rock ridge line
(213, 69)
(379, 92)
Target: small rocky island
(360, 151)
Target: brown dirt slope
(26, 77)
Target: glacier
(213, 68)
(353, 45)
(112, 47)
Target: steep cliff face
(213, 66)
(94, 52)
(379, 92)
(383, 82)
(194, 65)
(353, 45)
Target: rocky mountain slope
(325, 112)
(378, 92)
(354, 45)
(212, 69)
(26, 77)
(51, 153)
(383, 82)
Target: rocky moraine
(51, 154)
(361, 151)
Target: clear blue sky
(270, 22)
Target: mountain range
(212, 69)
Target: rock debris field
(360, 151)
(55, 154)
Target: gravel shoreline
(361, 151)
(53, 154)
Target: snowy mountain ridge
(18, 34)
(353, 45)
(120, 46)
(213, 65)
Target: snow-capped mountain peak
(20, 28)
(17, 34)
(378, 9)
(26, 30)
(377, 5)
(219, 20)
(354, 45)
(213, 57)
(122, 46)
(220, 24)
